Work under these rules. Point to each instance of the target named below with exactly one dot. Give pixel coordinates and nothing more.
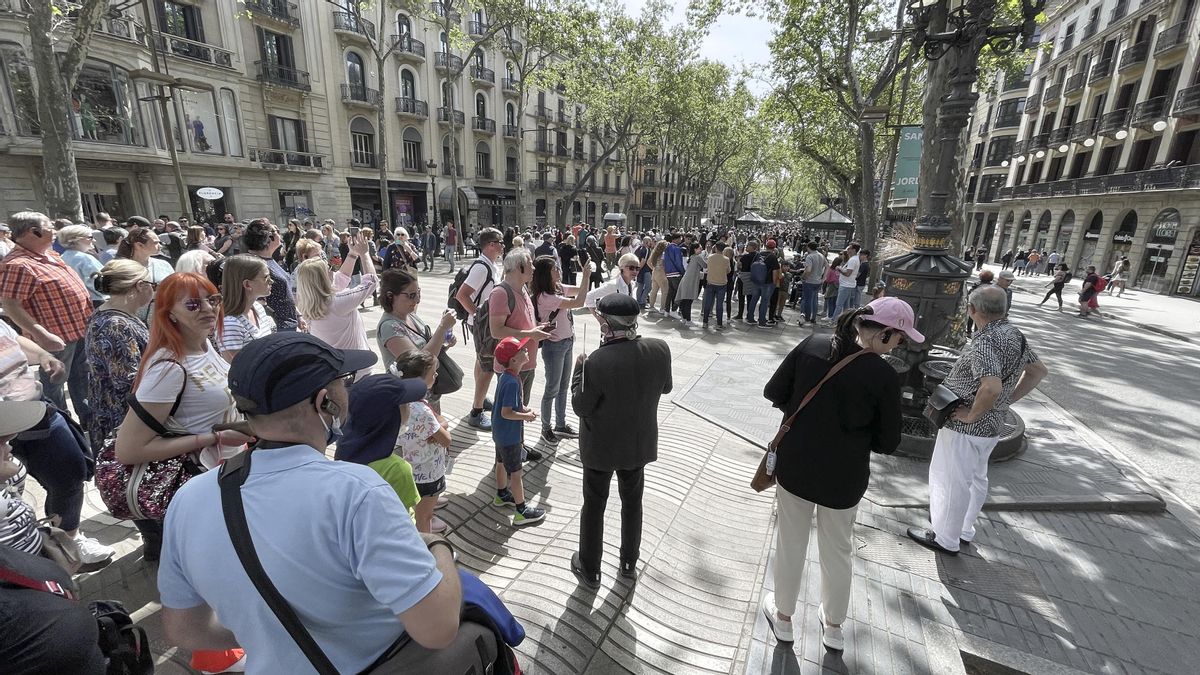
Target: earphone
(331, 407)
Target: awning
(467, 191)
(373, 184)
(496, 193)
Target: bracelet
(218, 435)
(447, 544)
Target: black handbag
(449, 374)
(941, 405)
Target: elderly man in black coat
(615, 393)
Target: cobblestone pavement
(1096, 592)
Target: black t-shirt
(864, 272)
(772, 262)
(746, 261)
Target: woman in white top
(400, 329)
(245, 279)
(141, 244)
(328, 303)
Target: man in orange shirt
(610, 248)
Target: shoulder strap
(479, 295)
(144, 415)
(233, 475)
(837, 367)
(48, 585)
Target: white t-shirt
(478, 279)
(206, 399)
(848, 280)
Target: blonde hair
(314, 291)
(237, 269)
(73, 233)
(628, 259)
(306, 246)
(518, 241)
(120, 276)
(194, 261)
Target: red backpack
(1101, 283)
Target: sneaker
(436, 525)
(548, 436)
(704, 325)
(831, 636)
(592, 581)
(92, 551)
(505, 499)
(487, 404)
(482, 421)
(442, 502)
(529, 516)
(762, 324)
(532, 455)
(629, 570)
(565, 431)
(772, 323)
(782, 629)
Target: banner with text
(908, 166)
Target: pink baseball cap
(895, 313)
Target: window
(20, 87)
(295, 203)
(403, 26)
(233, 127)
(180, 20)
(287, 134)
(478, 58)
(447, 144)
(447, 95)
(278, 57)
(444, 42)
(483, 160)
(101, 107)
(1068, 40)
(999, 150)
(362, 142)
(510, 115)
(355, 74)
(200, 121)
(510, 166)
(480, 106)
(408, 84)
(414, 159)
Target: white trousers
(835, 547)
(958, 485)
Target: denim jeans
(556, 357)
(54, 458)
(450, 255)
(844, 297)
(75, 365)
(761, 294)
(643, 280)
(714, 296)
(808, 301)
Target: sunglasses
(153, 284)
(193, 304)
(414, 296)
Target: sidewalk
(1043, 592)
(1169, 315)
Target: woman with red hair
(183, 384)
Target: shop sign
(209, 193)
(98, 187)
(1166, 226)
(1122, 238)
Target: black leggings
(1057, 292)
(685, 309)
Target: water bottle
(448, 336)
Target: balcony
(1039, 142)
(1083, 130)
(273, 74)
(1020, 148)
(477, 28)
(511, 176)
(274, 12)
(1174, 178)
(1007, 121)
(1075, 83)
(1187, 103)
(352, 25)
(441, 10)
(446, 116)
(195, 51)
(1112, 122)
(1146, 113)
(1171, 39)
(483, 125)
(1135, 55)
(1052, 93)
(413, 167)
(1033, 104)
(511, 86)
(1101, 70)
(484, 172)
(363, 160)
(288, 160)
(458, 170)
(543, 112)
(357, 94)
(543, 146)
(408, 48)
(512, 46)
(411, 107)
(1059, 136)
(564, 118)
(483, 75)
(447, 61)
(510, 131)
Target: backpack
(484, 341)
(124, 645)
(758, 270)
(459, 279)
(1101, 284)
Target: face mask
(332, 433)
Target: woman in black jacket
(824, 460)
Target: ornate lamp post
(432, 166)
(929, 277)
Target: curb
(1142, 502)
(1146, 327)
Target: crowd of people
(198, 358)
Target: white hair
(989, 300)
(516, 258)
(193, 261)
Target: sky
(735, 40)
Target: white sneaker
(782, 629)
(92, 551)
(831, 636)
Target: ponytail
(845, 335)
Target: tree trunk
(381, 153)
(937, 83)
(870, 226)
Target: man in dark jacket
(615, 392)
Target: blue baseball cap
(282, 369)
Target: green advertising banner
(908, 163)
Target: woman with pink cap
(823, 460)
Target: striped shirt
(49, 290)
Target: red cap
(770, 243)
(508, 348)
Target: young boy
(509, 434)
(369, 437)
(424, 441)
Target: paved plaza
(1079, 565)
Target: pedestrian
(262, 239)
(1033, 263)
(980, 257)
(864, 275)
(996, 369)
(717, 276)
(615, 392)
(1062, 276)
(1021, 262)
(815, 266)
(658, 277)
(508, 427)
(610, 249)
(424, 441)
(451, 236)
(1119, 276)
(986, 278)
(745, 285)
(674, 269)
(1006, 259)
(841, 402)
(644, 271)
(1005, 280)
(830, 289)
(847, 279)
(482, 276)
(142, 245)
(689, 284)
(552, 305)
(245, 280)
(329, 301)
(1087, 296)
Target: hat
(617, 304)
(282, 369)
(17, 416)
(508, 348)
(1007, 274)
(770, 243)
(895, 313)
(5, 228)
(370, 431)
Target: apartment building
(656, 190)
(1105, 160)
(279, 111)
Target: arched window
(510, 70)
(362, 142)
(511, 165)
(477, 55)
(483, 160)
(444, 42)
(355, 73)
(408, 84)
(447, 95)
(510, 115)
(449, 142)
(403, 25)
(414, 159)
(480, 106)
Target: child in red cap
(508, 431)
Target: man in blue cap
(332, 537)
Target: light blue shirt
(87, 267)
(333, 537)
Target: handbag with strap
(764, 477)
(942, 401)
(143, 491)
(449, 374)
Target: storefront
(209, 203)
(1122, 242)
(1066, 227)
(408, 202)
(497, 208)
(1041, 238)
(1160, 246)
(1091, 240)
(1188, 283)
(106, 196)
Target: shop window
(101, 108)
(20, 93)
(295, 204)
(200, 121)
(233, 126)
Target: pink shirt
(520, 319)
(342, 326)
(564, 323)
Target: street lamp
(432, 166)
